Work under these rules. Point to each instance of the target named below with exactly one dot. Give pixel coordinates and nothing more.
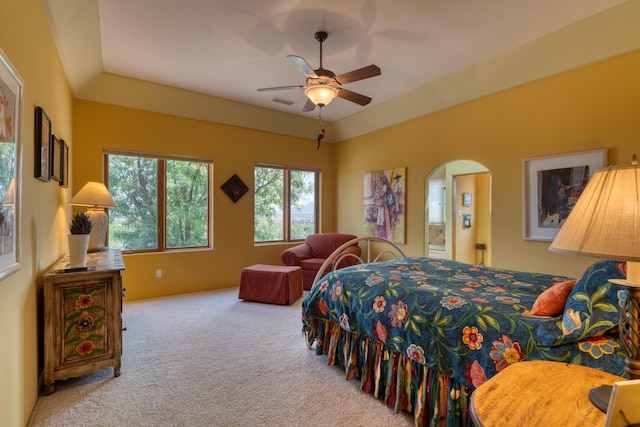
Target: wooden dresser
(83, 317)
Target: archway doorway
(458, 212)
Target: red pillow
(552, 301)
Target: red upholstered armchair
(316, 248)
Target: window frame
(286, 210)
(161, 219)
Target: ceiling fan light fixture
(321, 95)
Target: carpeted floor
(209, 359)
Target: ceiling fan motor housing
(321, 36)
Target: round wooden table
(540, 393)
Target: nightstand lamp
(96, 196)
(605, 223)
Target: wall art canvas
(384, 204)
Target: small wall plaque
(466, 220)
(234, 188)
(466, 199)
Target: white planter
(78, 244)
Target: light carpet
(209, 359)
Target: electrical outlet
(159, 273)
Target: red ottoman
(274, 284)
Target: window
(163, 203)
(286, 203)
(436, 200)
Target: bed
(423, 333)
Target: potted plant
(79, 229)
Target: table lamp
(96, 196)
(605, 223)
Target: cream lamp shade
(321, 95)
(605, 223)
(96, 196)
(93, 194)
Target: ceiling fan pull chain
(321, 134)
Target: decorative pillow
(552, 301)
(592, 308)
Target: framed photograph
(64, 181)
(551, 186)
(56, 159)
(11, 94)
(623, 409)
(43, 145)
(466, 199)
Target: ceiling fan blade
(309, 106)
(264, 89)
(302, 65)
(359, 74)
(353, 97)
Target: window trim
(162, 199)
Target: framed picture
(466, 199)
(56, 159)
(384, 204)
(623, 410)
(43, 144)
(551, 187)
(11, 94)
(466, 221)
(64, 181)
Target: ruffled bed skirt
(433, 398)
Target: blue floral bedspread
(468, 322)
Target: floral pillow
(592, 308)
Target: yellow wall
(233, 150)
(590, 107)
(26, 41)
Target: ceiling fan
(323, 85)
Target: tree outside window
(163, 203)
(286, 203)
